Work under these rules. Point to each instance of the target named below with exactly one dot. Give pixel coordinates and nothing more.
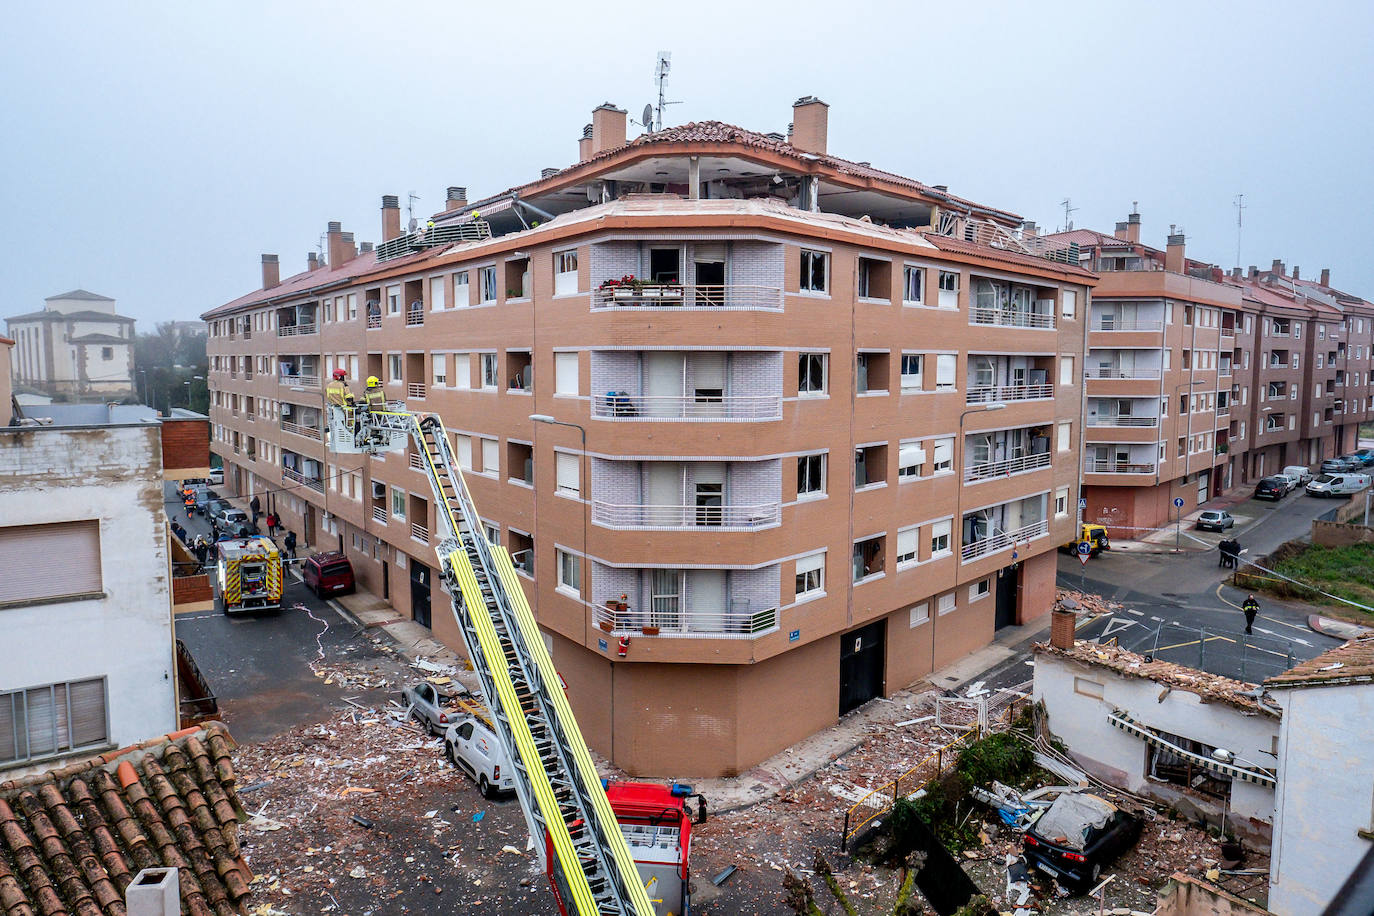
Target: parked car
(214, 505)
(328, 573)
(227, 516)
(1356, 459)
(1271, 488)
(1302, 474)
(429, 707)
(1337, 484)
(1077, 836)
(1095, 535)
(1290, 482)
(1366, 456)
(1215, 520)
(1339, 466)
(216, 478)
(473, 748)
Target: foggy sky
(153, 153)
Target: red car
(328, 574)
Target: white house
(76, 346)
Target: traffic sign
(1082, 502)
(1084, 549)
(1083, 559)
(1178, 502)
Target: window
(436, 294)
(868, 558)
(946, 364)
(487, 278)
(906, 546)
(490, 377)
(811, 575)
(946, 603)
(911, 372)
(52, 719)
(1297, 329)
(944, 455)
(1066, 370)
(979, 589)
(565, 272)
(1061, 501)
(398, 503)
(811, 375)
(949, 289)
(810, 476)
(462, 370)
(352, 306)
(1064, 430)
(1088, 688)
(394, 367)
(871, 372)
(1296, 360)
(460, 289)
(490, 448)
(911, 460)
(439, 364)
(1070, 303)
(569, 572)
(24, 581)
(920, 613)
(465, 452)
(939, 538)
(568, 472)
(565, 373)
(107, 352)
(913, 285)
(814, 271)
(874, 279)
(492, 532)
(870, 466)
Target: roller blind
(490, 461)
(906, 542)
(568, 477)
(565, 373)
(24, 549)
(810, 564)
(911, 456)
(944, 450)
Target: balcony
(1095, 466)
(992, 393)
(1138, 422)
(419, 533)
(313, 483)
(308, 432)
(622, 406)
(374, 321)
(1011, 318)
(379, 515)
(1004, 540)
(301, 381)
(975, 473)
(1117, 372)
(296, 330)
(696, 297)
(736, 621)
(1108, 323)
(415, 317)
(416, 462)
(725, 518)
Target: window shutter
(568, 477)
(465, 452)
(906, 542)
(23, 549)
(813, 563)
(565, 373)
(490, 461)
(911, 456)
(87, 701)
(944, 450)
(944, 369)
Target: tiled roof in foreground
(1350, 663)
(72, 839)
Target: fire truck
(656, 822)
(248, 575)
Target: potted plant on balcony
(671, 289)
(627, 287)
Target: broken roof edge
(1348, 665)
(1206, 686)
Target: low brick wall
(1187, 896)
(1335, 534)
(191, 590)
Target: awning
(1124, 722)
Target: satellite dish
(647, 118)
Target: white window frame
(1065, 442)
(823, 459)
(946, 372)
(979, 590)
(910, 449)
(568, 474)
(486, 280)
(807, 357)
(490, 448)
(1066, 370)
(918, 614)
(1061, 502)
(910, 381)
(946, 606)
(491, 380)
(399, 496)
(941, 531)
(913, 275)
(1069, 303)
(942, 465)
(810, 576)
(569, 568)
(909, 538)
(437, 299)
(566, 374)
(565, 272)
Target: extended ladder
(555, 778)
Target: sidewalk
(1161, 540)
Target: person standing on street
(255, 506)
(1251, 608)
(290, 544)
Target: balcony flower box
(649, 630)
(624, 292)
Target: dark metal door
(419, 593)
(861, 665)
(1007, 581)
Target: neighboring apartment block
(1198, 381)
(831, 420)
(75, 348)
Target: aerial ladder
(560, 791)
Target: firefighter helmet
(340, 375)
(374, 382)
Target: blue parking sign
(1084, 548)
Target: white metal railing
(1004, 540)
(301, 381)
(308, 432)
(415, 317)
(379, 514)
(731, 297)
(1224, 411)
(1108, 466)
(1225, 370)
(415, 390)
(735, 621)
(313, 483)
(737, 517)
(1099, 372)
(621, 406)
(1006, 467)
(1228, 330)
(374, 321)
(294, 330)
(1123, 421)
(419, 533)
(986, 393)
(1129, 324)
(1011, 318)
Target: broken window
(1168, 766)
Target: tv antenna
(1239, 204)
(1069, 209)
(410, 209)
(661, 68)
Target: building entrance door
(419, 593)
(861, 665)
(1008, 593)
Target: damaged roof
(75, 837)
(1208, 686)
(1351, 663)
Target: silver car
(429, 707)
(1215, 520)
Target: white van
(1337, 484)
(475, 749)
(1299, 473)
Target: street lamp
(584, 577)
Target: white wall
(112, 474)
(1122, 759)
(1326, 793)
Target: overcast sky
(152, 152)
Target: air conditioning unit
(378, 489)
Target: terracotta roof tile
(72, 839)
(1350, 663)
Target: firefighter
(376, 397)
(1250, 608)
(337, 393)
(188, 500)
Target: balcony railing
(1224, 410)
(1228, 330)
(1099, 372)
(299, 429)
(1139, 422)
(1126, 324)
(416, 463)
(374, 321)
(379, 514)
(419, 533)
(1005, 468)
(1004, 540)
(731, 517)
(736, 621)
(689, 296)
(1225, 371)
(621, 406)
(1093, 466)
(987, 393)
(415, 390)
(1011, 318)
(295, 330)
(301, 381)
(313, 483)
(415, 317)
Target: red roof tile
(1351, 663)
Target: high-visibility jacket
(376, 399)
(338, 395)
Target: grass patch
(1345, 571)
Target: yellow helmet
(374, 382)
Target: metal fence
(1227, 651)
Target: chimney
(346, 248)
(337, 252)
(1133, 227)
(391, 217)
(1062, 620)
(1253, 272)
(1120, 230)
(1277, 268)
(1297, 272)
(364, 247)
(1326, 277)
(312, 261)
(608, 128)
(1235, 273)
(271, 271)
(1029, 230)
(1173, 255)
(810, 119)
(456, 199)
(154, 892)
(584, 145)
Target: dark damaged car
(1077, 837)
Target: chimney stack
(608, 128)
(1326, 277)
(456, 198)
(1297, 272)
(1120, 230)
(312, 261)
(337, 251)
(810, 120)
(271, 271)
(1133, 226)
(1277, 268)
(1253, 272)
(1173, 255)
(584, 145)
(391, 217)
(364, 247)
(1029, 230)
(1235, 273)
(1062, 620)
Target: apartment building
(817, 425)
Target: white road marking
(1159, 619)
(1280, 636)
(1131, 610)
(1116, 625)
